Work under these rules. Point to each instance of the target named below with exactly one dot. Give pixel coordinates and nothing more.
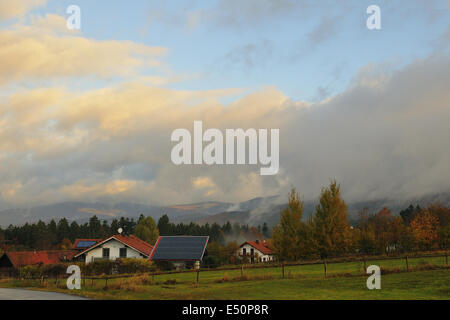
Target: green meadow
(428, 278)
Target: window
(123, 252)
(244, 251)
(105, 252)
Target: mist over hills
(252, 212)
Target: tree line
(328, 233)
(324, 234)
(62, 234)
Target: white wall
(114, 251)
(262, 256)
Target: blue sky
(310, 51)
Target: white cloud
(10, 9)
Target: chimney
(257, 241)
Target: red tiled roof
(24, 258)
(75, 244)
(131, 241)
(262, 246)
(136, 243)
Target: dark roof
(84, 243)
(130, 241)
(261, 245)
(25, 258)
(179, 248)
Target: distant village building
(116, 247)
(13, 260)
(256, 251)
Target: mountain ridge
(255, 211)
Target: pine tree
(164, 226)
(265, 230)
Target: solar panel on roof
(85, 244)
(182, 248)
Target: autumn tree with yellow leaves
(287, 239)
(332, 233)
(425, 229)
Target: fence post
(106, 282)
(446, 257)
(407, 265)
(198, 273)
(325, 267)
(365, 265)
(282, 267)
(242, 270)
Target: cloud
(382, 137)
(17, 8)
(235, 13)
(49, 24)
(248, 56)
(324, 30)
(230, 13)
(29, 53)
(110, 188)
(443, 41)
(203, 182)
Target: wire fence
(364, 260)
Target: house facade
(256, 251)
(116, 247)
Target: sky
(87, 114)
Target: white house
(116, 247)
(256, 251)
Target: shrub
(53, 270)
(210, 262)
(98, 267)
(165, 265)
(30, 271)
(130, 265)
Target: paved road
(23, 294)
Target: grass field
(428, 279)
